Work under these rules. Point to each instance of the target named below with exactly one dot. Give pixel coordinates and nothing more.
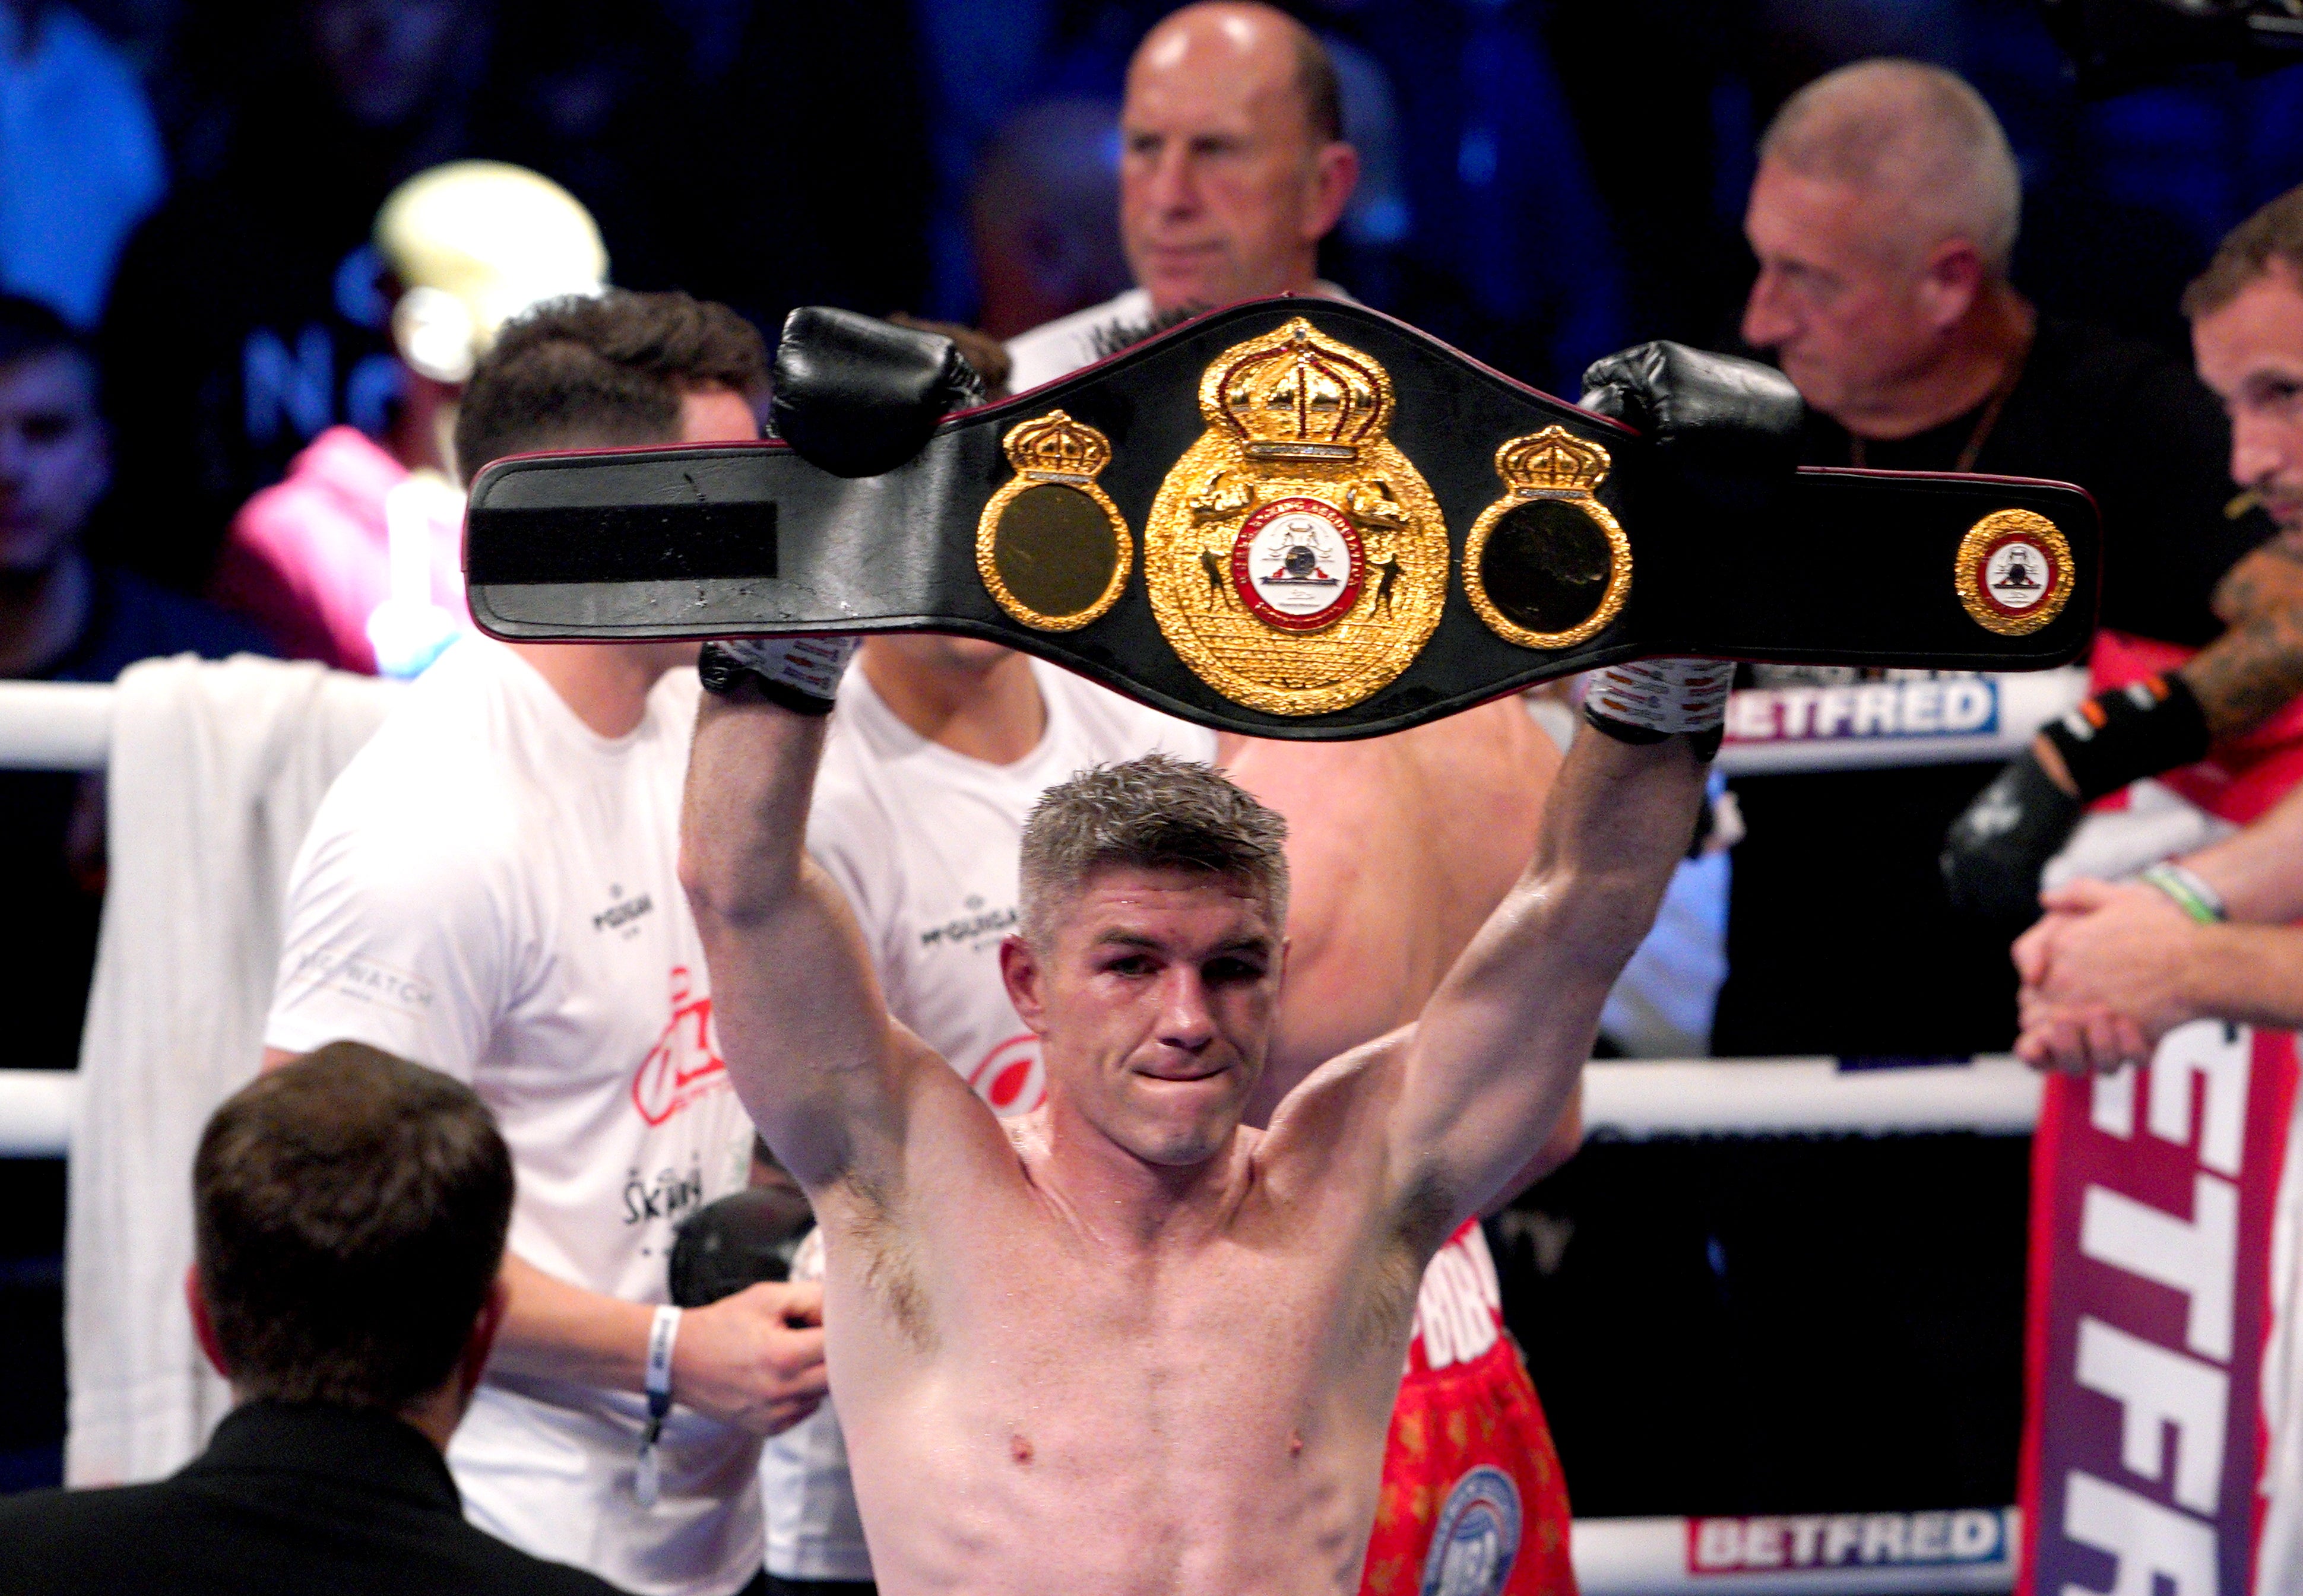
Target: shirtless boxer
(1140, 1346)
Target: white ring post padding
(1640, 1099)
(35, 1112)
(1649, 1557)
(55, 725)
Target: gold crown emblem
(1554, 460)
(1055, 445)
(1299, 395)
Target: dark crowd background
(1545, 180)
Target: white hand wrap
(1662, 697)
(806, 669)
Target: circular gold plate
(2013, 572)
(1552, 550)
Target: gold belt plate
(1295, 559)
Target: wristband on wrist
(2128, 733)
(2194, 896)
(800, 673)
(1649, 699)
(663, 1335)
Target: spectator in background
(1044, 217)
(65, 618)
(1232, 169)
(356, 559)
(79, 157)
(250, 315)
(351, 1211)
(1883, 217)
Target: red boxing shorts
(1472, 1501)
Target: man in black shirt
(351, 1211)
(1883, 216)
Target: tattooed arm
(2252, 671)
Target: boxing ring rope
(67, 727)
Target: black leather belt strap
(1293, 518)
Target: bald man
(1883, 216)
(1232, 168)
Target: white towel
(216, 771)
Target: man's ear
(1021, 972)
(1950, 282)
(1335, 174)
(473, 1362)
(204, 1323)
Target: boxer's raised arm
(813, 1055)
(1497, 1056)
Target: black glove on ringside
(859, 396)
(1994, 853)
(743, 1239)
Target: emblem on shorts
(1547, 566)
(1295, 559)
(2014, 572)
(1050, 546)
(1476, 1538)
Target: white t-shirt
(925, 843)
(1061, 346)
(489, 889)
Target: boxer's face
(1848, 314)
(2250, 352)
(1153, 1001)
(1225, 191)
(54, 461)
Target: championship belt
(1291, 518)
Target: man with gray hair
(1884, 214)
(1130, 1343)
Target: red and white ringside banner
(2153, 1196)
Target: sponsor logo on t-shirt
(364, 980)
(683, 1065)
(1476, 1539)
(621, 910)
(668, 1194)
(972, 927)
(1010, 1077)
(1821, 1541)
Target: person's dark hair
(349, 1215)
(1155, 814)
(2274, 235)
(29, 327)
(602, 370)
(1322, 92)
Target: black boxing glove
(1725, 430)
(743, 1239)
(801, 673)
(1994, 853)
(858, 396)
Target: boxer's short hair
(2272, 236)
(349, 1213)
(598, 371)
(1153, 813)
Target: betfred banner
(2153, 1197)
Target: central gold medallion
(1295, 560)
